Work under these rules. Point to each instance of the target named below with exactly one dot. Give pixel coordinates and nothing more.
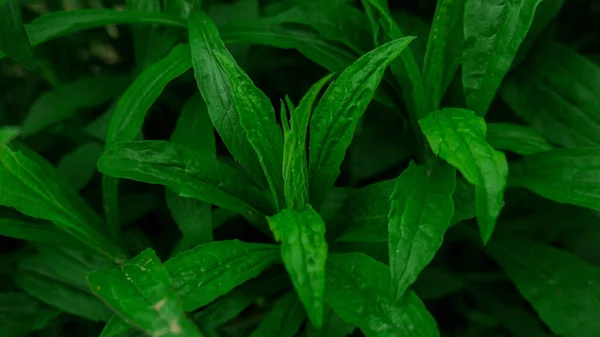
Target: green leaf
(215, 86)
(79, 166)
(563, 175)
(206, 272)
(406, 72)
(143, 37)
(117, 327)
(56, 24)
(444, 50)
(458, 136)
(435, 283)
(283, 320)
(493, 33)
(558, 95)
(464, 201)
(519, 139)
(187, 173)
(304, 254)
(295, 169)
(336, 116)
(13, 39)
(141, 291)
(561, 287)
(33, 187)
(333, 326)
(194, 128)
(37, 231)
(8, 133)
(126, 122)
(358, 290)
(257, 118)
(65, 100)
(36, 278)
(421, 211)
(20, 314)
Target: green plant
(152, 189)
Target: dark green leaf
(284, 319)
(38, 231)
(358, 290)
(13, 39)
(187, 173)
(493, 33)
(435, 283)
(33, 187)
(333, 326)
(257, 118)
(295, 169)
(141, 291)
(444, 50)
(458, 136)
(421, 210)
(562, 288)
(194, 129)
(304, 253)
(20, 314)
(208, 271)
(464, 201)
(79, 166)
(215, 86)
(117, 327)
(336, 116)
(558, 95)
(8, 133)
(563, 175)
(516, 138)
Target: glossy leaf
(20, 314)
(64, 101)
(563, 175)
(284, 319)
(13, 38)
(444, 50)
(561, 287)
(337, 114)
(557, 95)
(257, 118)
(56, 24)
(493, 33)
(421, 211)
(295, 169)
(141, 291)
(204, 273)
(304, 254)
(458, 136)
(516, 138)
(215, 86)
(8, 133)
(358, 290)
(187, 173)
(79, 166)
(33, 187)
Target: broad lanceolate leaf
(444, 50)
(8, 133)
(194, 128)
(562, 288)
(336, 116)
(13, 39)
(208, 271)
(284, 319)
(563, 175)
(20, 314)
(216, 88)
(187, 173)
(64, 101)
(558, 96)
(257, 118)
(358, 290)
(421, 211)
(193, 217)
(493, 33)
(516, 138)
(304, 253)
(141, 291)
(56, 24)
(37, 231)
(79, 166)
(127, 120)
(33, 187)
(295, 169)
(458, 136)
